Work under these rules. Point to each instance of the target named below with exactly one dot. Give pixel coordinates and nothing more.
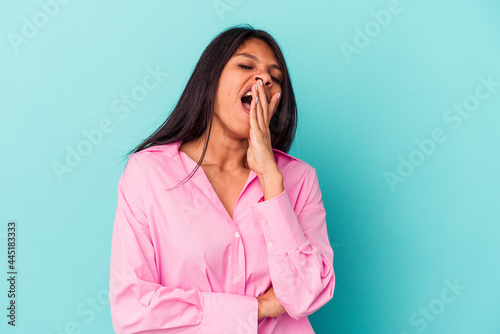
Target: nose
(266, 79)
(267, 87)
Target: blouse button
(269, 244)
(237, 234)
(263, 221)
(237, 278)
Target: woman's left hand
(260, 157)
(269, 305)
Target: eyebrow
(248, 55)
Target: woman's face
(252, 61)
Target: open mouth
(246, 100)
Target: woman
(243, 247)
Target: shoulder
(286, 161)
(150, 154)
(168, 149)
(299, 180)
(291, 166)
(151, 159)
(156, 165)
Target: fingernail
(260, 80)
(279, 95)
(256, 100)
(256, 86)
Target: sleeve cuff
(279, 223)
(226, 313)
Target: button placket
(239, 264)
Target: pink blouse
(180, 264)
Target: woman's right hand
(269, 305)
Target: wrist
(260, 311)
(271, 175)
(272, 184)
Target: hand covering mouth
(247, 97)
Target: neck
(224, 152)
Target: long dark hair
(194, 111)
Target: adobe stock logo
(430, 312)
(121, 108)
(89, 309)
(427, 146)
(194, 207)
(31, 27)
(222, 6)
(372, 29)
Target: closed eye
(249, 68)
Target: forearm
(300, 256)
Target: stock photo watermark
(88, 309)
(94, 137)
(430, 312)
(11, 238)
(381, 19)
(32, 26)
(454, 117)
(364, 35)
(223, 6)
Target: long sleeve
(138, 302)
(299, 252)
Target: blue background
(367, 91)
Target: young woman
(243, 246)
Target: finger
(263, 98)
(273, 105)
(253, 112)
(260, 109)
